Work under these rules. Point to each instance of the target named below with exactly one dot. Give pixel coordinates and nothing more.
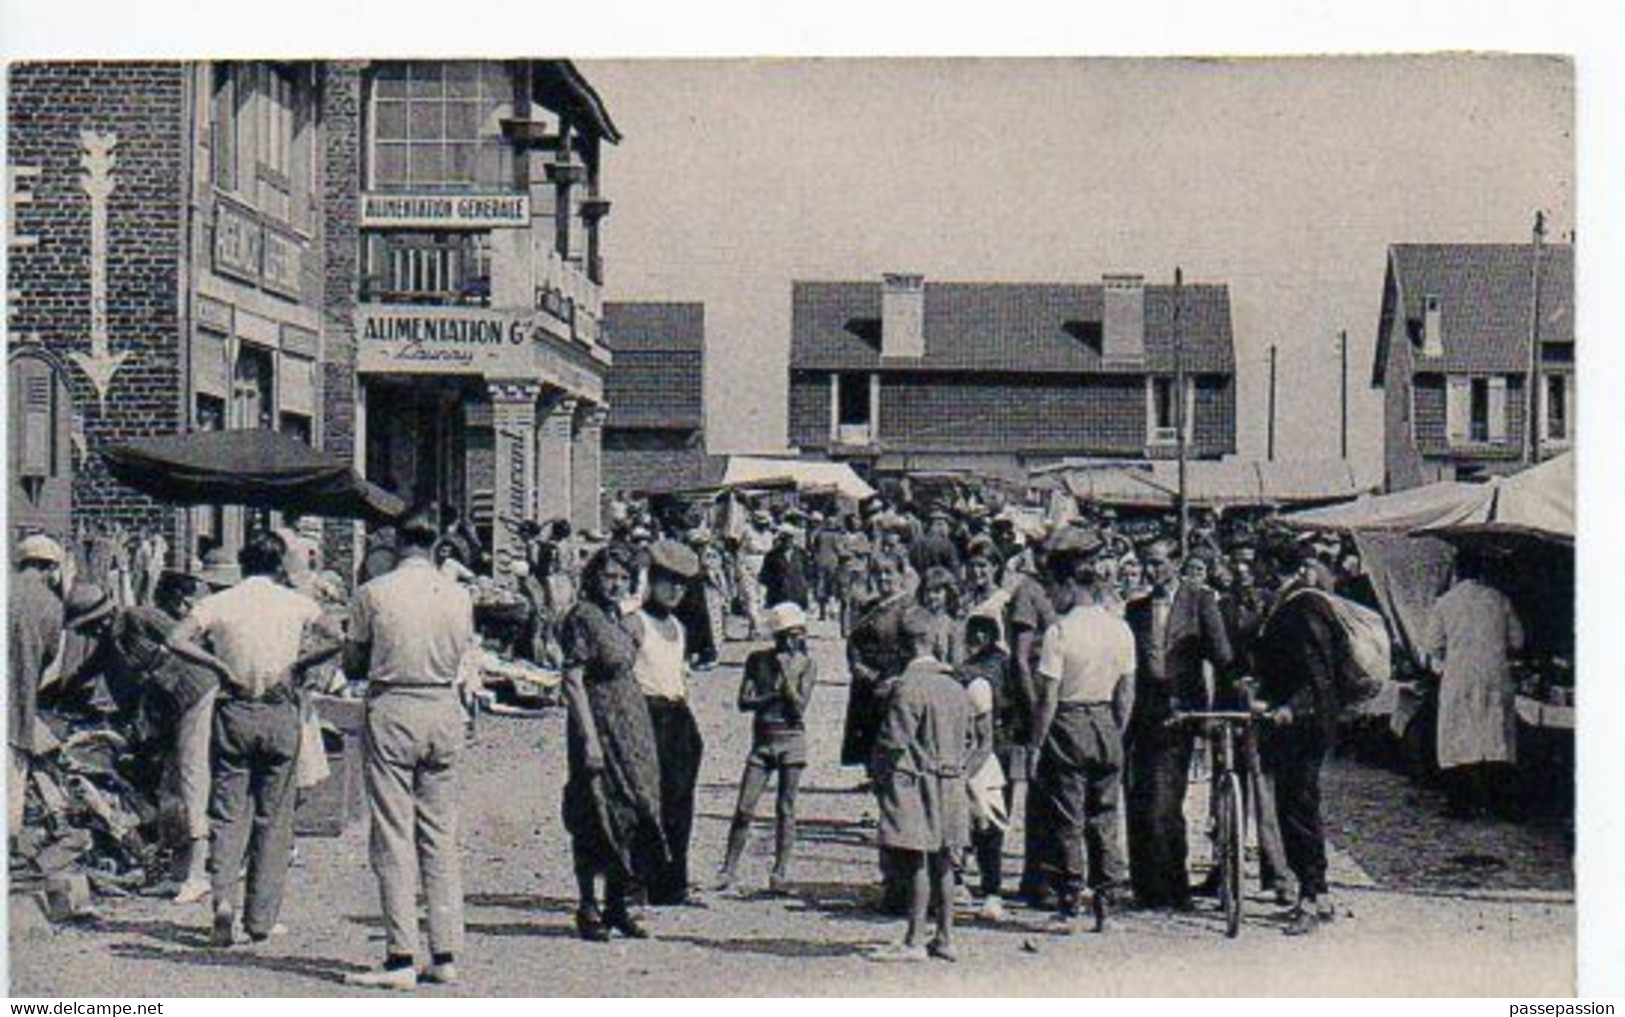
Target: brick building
(397, 261)
(904, 374)
(1453, 361)
(654, 436)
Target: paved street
(1398, 937)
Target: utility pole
(1179, 407)
(1272, 403)
(1343, 391)
(1532, 387)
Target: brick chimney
(902, 315)
(1123, 325)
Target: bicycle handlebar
(1227, 716)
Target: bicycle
(1230, 814)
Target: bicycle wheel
(1231, 832)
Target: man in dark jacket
(1178, 628)
(784, 572)
(1296, 661)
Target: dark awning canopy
(253, 468)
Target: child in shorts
(777, 685)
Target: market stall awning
(1219, 483)
(1538, 502)
(254, 468)
(1400, 512)
(806, 475)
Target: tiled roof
(1483, 292)
(1004, 327)
(658, 375)
(654, 325)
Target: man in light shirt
(411, 637)
(253, 637)
(1085, 696)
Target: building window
(855, 397)
(428, 268)
(1476, 410)
(435, 125)
(1479, 414)
(209, 521)
(262, 119)
(1162, 413)
(297, 425)
(1555, 408)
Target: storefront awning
(253, 468)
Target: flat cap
(677, 559)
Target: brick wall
(143, 105)
(645, 459)
(655, 388)
(338, 178)
(1098, 414)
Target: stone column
(513, 420)
(553, 460)
(586, 479)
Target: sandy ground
(1396, 935)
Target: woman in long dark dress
(612, 795)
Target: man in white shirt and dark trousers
(661, 671)
(1085, 692)
(251, 636)
(411, 635)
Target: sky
(1284, 178)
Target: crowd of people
(994, 668)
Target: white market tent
(1538, 502)
(1209, 483)
(1400, 512)
(806, 475)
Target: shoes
(1303, 922)
(191, 891)
(1325, 910)
(899, 953)
(274, 932)
(992, 909)
(590, 926)
(399, 979)
(441, 974)
(224, 932)
(1099, 904)
(941, 951)
(778, 886)
(621, 921)
(1208, 887)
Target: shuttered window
(1457, 409)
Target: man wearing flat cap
(661, 671)
(36, 635)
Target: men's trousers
(251, 803)
(679, 748)
(414, 737)
(1078, 777)
(1158, 847)
(1294, 756)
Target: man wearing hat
(776, 687)
(1085, 698)
(660, 669)
(935, 548)
(35, 643)
(784, 570)
(1178, 627)
(754, 544)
